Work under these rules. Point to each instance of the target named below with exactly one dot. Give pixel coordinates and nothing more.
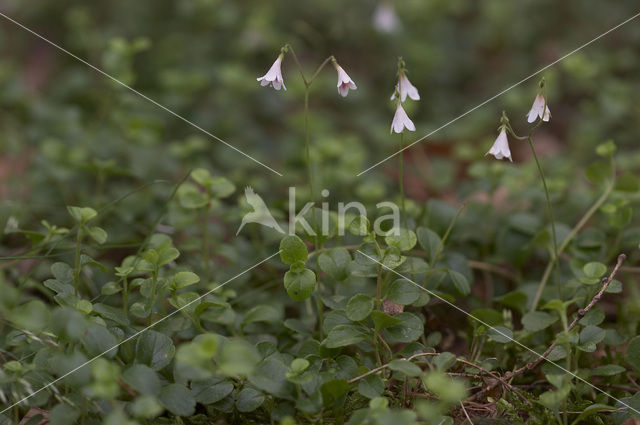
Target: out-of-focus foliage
(114, 212)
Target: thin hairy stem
(554, 257)
(401, 180)
(571, 235)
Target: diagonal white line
(501, 93)
(175, 114)
(139, 332)
(449, 303)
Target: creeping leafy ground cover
(313, 261)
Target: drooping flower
(344, 81)
(274, 75)
(385, 18)
(500, 148)
(405, 88)
(401, 121)
(539, 109)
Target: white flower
(385, 18)
(406, 88)
(344, 82)
(401, 121)
(500, 148)
(539, 110)
(273, 76)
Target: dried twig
(581, 313)
(466, 414)
(495, 376)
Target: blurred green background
(68, 135)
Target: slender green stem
(322, 65)
(205, 243)
(308, 159)
(554, 256)
(379, 279)
(152, 298)
(547, 197)
(295, 58)
(401, 180)
(446, 236)
(570, 236)
(76, 270)
(319, 305)
(125, 296)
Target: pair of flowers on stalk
(403, 89)
(539, 109)
(274, 78)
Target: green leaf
(270, 376)
(211, 390)
(598, 172)
(444, 361)
(58, 287)
(535, 321)
(607, 370)
(606, 149)
(627, 182)
(429, 241)
(446, 388)
(82, 214)
(343, 335)
(292, 249)
(249, 399)
(154, 349)
(589, 411)
(500, 334)
(33, 316)
(460, 281)
(300, 286)
(299, 365)
(63, 414)
(110, 288)
(404, 240)
(111, 313)
(142, 379)
(146, 407)
(191, 197)
(238, 358)
(408, 330)
(406, 367)
(403, 292)
(201, 176)
(184, 279)
(178, 400)
(220, 187)
(383, 320)
(371, 386)
(262, 313)
(332, 391)
(98, 234)
(591, 334)
(167, 255)
(98, 339)
(335, 263)
(594, 269)
(359, 226)
(62, 272)
(359, 307)
(633, 353)
(84, 306)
